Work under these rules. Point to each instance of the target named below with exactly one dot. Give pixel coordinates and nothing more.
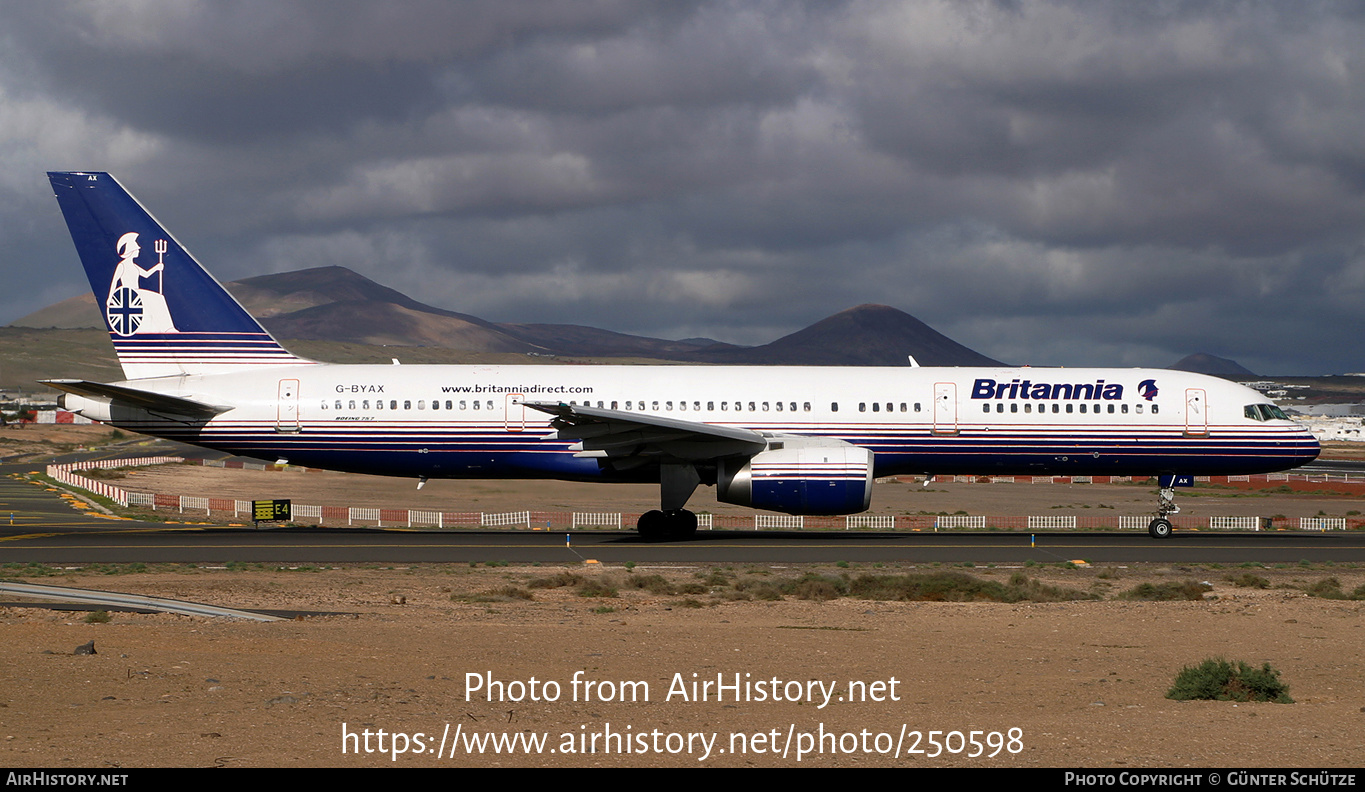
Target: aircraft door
(1196, 412)
(945, 408)
(287, 407)
(515, 419)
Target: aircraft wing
(614, 434)
(133, 397)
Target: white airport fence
(1322, 523)
(1133, 522)
(66, 474)
(597, 520)
(1235, 523)
(885, 522)
(778, 521)
(1052, 522)
(959, 521)
(508, 520)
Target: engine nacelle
(800, 476)
(94, 409)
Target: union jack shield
(124, 311)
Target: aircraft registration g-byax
(800, 440)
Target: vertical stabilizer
(165, 313)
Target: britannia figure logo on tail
(132, 309)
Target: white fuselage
(470, 421)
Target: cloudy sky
(1052, 183)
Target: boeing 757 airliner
(800, 440)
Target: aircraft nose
(1309, 447)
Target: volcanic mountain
(868, 335)
(336, 304)
(1204, 363)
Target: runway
(179, 544)
(45, 529)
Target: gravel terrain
(1084, 682)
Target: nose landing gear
(1160, 528)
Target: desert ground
(1083, 683)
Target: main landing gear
(664, 526)
(1160, 528)
(671, 522)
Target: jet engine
(799, 476)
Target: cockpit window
(1264, 412)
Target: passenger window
(1155, 409)
(806, 406)
(350, 405)
(793, 406)
(324, 405)
(655, 408)
(917, 407)
(1123, 409)
(985, 408)
(1139, 409)
(1111, 409)
(876, 407)
(779, 406)
(464, 405)
(1000, 407)
(1082, 408)
(752, 408)
(393, 404)
(1028, 408)
(1014, 407)
(338, 404)
(1068, 408)
(862, 406)
(421, 404)
(365, 405)
(669, 406)
(834, 407)
(765, 406)
(711, 406)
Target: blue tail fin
(166, 315)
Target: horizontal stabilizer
(133, 397)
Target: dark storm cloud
(1051, 182)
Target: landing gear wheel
(1159, 528)
(664, 526)
(683, 524)
(653, 526)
